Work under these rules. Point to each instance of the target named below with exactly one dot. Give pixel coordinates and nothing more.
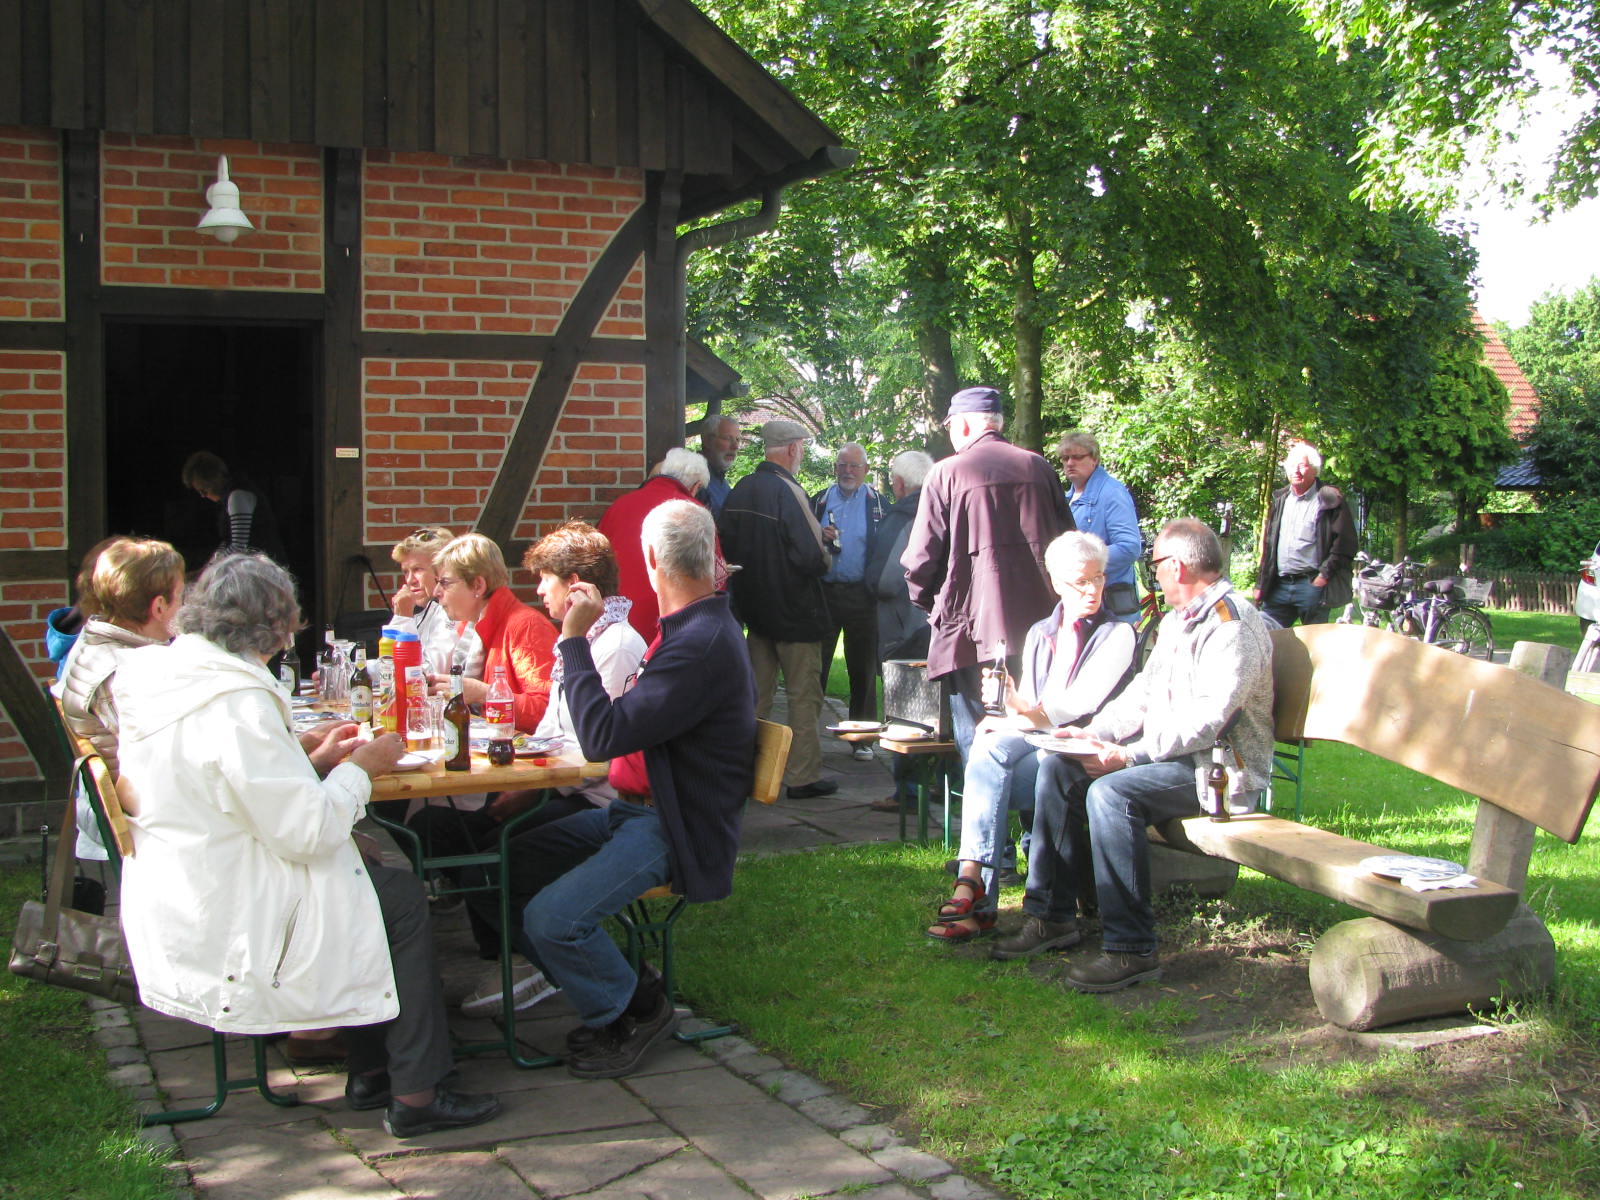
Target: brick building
(461, 302)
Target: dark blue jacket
(693, 713)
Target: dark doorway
(244, 392)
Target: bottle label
(452, 740)
(361, 704)
(497, 715)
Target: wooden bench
(1529, 752)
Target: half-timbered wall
(452, 250)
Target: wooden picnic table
(546, 771)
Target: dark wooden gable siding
(614, 83)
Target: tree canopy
(1559, 351)
(1459, 72)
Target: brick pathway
(719, 1120)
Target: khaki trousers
(800, 663)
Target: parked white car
(1587, 605)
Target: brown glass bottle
(1217, 783)
(457, 719)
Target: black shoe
(1115, 970)
(818, 787)
(449, 1110)
(367, 1091)
(1035, 937)
(583, 1036)
(619, 1048)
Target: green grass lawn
(820, 958)
(65, 1130)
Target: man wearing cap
(768, 530)
(975, 558)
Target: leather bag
(64, 946)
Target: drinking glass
(419, 727)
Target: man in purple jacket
(975, 558)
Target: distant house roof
(1524, 400)
(1520, 476)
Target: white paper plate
(1397, 866)
(416, 759)
(1041, 740)
(905, 733)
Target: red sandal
(958, 908)
(952, 931)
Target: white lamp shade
(224, 220)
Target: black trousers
(853, 611)
(415, 1046)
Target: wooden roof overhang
(649, 84)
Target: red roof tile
(1524, 400)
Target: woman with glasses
(415, 611)
(471, 582)
(1072, 662)
(1104, 507)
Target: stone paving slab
(569, 1164)
(466, 1176)
(302, 1160)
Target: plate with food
(523, 745)
(1043, 739)
(1400, 866)
(856, 730)
(415, 760)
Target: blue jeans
(623, 854)
(1001, 767)
(1290, 600)
(1120, 805)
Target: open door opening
(246, 392)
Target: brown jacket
(975, 558)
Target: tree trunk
(939, 369)
(1027, 371)
(1402, 507)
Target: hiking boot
(619, 1048)
(1036, 936)
(1115, 970)
(528, 987)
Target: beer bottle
(994, 684)
(361, 689)
(457, 720)
(289, 669)
(1217, 783)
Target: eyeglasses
(1066, 458)
(852, 466)
(445, 582)
(1156, 562)
(1093, 583)
(425, 535)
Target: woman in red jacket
(472, 586)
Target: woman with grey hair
(246, 904)
(1072, 662)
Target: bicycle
(1151, 609)
(1439, 612)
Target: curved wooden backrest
(772, 754)
(1495, 733)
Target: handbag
(365, 625)
(64, 946)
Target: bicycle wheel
(1466, 631)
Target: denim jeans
(1120, 805)
(1058, 860)
(1290, 600)
(999, 778)
(623, 853)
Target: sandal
(952, 931)
(958, 908)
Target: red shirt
(627, 773)
(523, 641)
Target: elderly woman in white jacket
(246, 904)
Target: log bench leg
(1367, 973)
(1211, 878)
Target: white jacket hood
(166, 684)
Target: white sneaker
(528, 987)
(861, 752)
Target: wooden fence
(1525, 591)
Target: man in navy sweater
(681, 741)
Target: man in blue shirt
(849, 513)
(720, 445)
(1104, 507)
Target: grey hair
(243, 603)
(843, 446)
(1193, 543)
(687, 467)
(995, 421)
(1072, 549)
(684, 537)
(1303, 450)
(912, 466)
(1085, 442)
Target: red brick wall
(30, 225)
(153, 195)
(490, 246)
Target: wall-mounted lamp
(224, 220)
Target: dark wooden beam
(663, 319)
(33, 335)
(223, 307)
(526, 448)
(339, 481)
(33, 566)
(30, 710)
(507, 347)
(85, 343)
